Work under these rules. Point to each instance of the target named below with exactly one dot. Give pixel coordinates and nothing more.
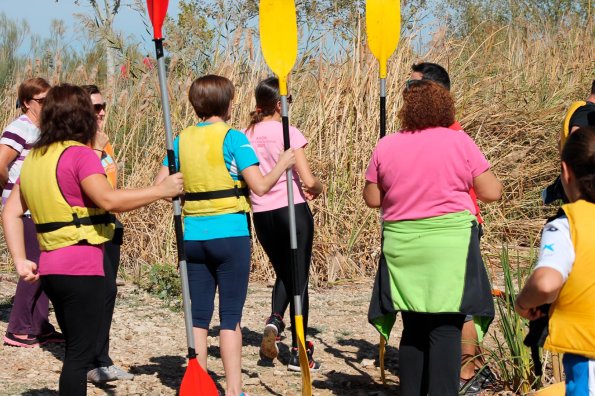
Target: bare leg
(200, 341)
(231, 354)
(469, 346)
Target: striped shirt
(20, 136)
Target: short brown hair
(67, 115)
(426, 104)
(29, 88)
(211, 95)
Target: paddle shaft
(297, 298)
(171, 161)
(382, 107)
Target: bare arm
(487, 187)
(260, 184)
(373, 195)
(161, 175)
(542, 287)
(99, 142)
(101, 193)
(14, 234)
(7, 155)
(311, 184)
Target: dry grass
(511, 88)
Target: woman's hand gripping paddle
(196, 381)
(383, 26)
(278, 37)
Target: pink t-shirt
(75, 165)
(426, 174)
(267, 140)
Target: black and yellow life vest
(210, 189)
(566, 124)
(57, 223)
(572, 315)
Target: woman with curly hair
(433, 272)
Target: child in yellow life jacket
(219, 165)
(563, 275)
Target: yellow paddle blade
(558, 389)
(382, 349)
(304, 364)
(278, 37)
(383, 25)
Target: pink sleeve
(475, 158)
(296, 138)
(372, 171)
(86, 162)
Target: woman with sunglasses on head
(271, 218)
(103, 369)
(65, 187)
(433, 272)
(28, 325)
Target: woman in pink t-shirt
(65, 187)
(271, 219)
(432, 270)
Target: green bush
(164, 282)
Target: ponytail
(267, 96)
(579, 154)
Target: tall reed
(511, 88)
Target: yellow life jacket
(210, 189)
(566, 125)
(572, 315)
(57, 223)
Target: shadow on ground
(362, 383)
(40, 392)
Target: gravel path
(148, 339)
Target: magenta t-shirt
(267, 140)
(76, 163)
(425, 174)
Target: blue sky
(40, 13)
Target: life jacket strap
(207, 195)
(105, 218)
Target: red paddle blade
(196, 381)
(157, 10)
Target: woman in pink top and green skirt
(271, 221)
(433, 272)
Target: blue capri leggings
(222, 263)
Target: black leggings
(111, 262)
(79, 305)
(430, 354)
(272, 230)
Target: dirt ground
(148, 339)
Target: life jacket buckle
(76, 221)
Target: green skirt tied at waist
(431, 265)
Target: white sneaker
(99, 375)
(117, 373)
(106, 374)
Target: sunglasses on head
(99, 106)
(410, 83)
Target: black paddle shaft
(382, 116)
